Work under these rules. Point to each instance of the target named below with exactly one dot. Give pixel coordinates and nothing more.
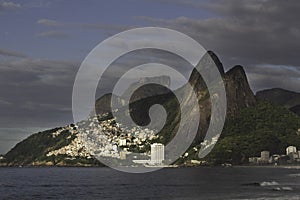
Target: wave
(283, 189)
(267, 183)
(263, 184)
(294, 197)
(294, 175)
(273, 185)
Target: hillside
(34, 149)
(263, 127)
(286, 98)
(251, 126)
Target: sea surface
(171, 183)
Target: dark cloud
(6, 52)
(101, 26)
(39, 3)
(266, 76)
(49, 22)
(250, 33)
(38, 93)
(4, 102)
(9, 5)
(11, 136)
(54, 34)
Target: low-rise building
(123, 155)
(122, 142)
(291, 149)
(253, 160)
(264, 156)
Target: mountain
(286, 98)
(252, 123)
(149, 90)
(239, 96)
(157, 87)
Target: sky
(43, 42)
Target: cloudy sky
(42, 44)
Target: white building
(291, 149)
(123, 155)
(265, 156)
(122, 142)
(157, 153)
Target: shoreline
(168, 167)
(271, 166)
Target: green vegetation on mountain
(278, 96)
(33, 150)
(258, 128)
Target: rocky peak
(196, 79)
(238, 91)
(217, 61)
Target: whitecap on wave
(294, 175)
(271, 185)
(283, 189)
(268, 183)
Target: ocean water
(172, 183)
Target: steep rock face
(196, 79)
(217, 62)
(238, 91)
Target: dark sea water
(183, 183)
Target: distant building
(157, 153)
(254, 160)
(122, 142)
(141, 162)
(274, 158)
(196, 162)
(263, 159)
(294, 156)
(123, 155)
(264, 156)
(291, 149)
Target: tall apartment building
(157, 153)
